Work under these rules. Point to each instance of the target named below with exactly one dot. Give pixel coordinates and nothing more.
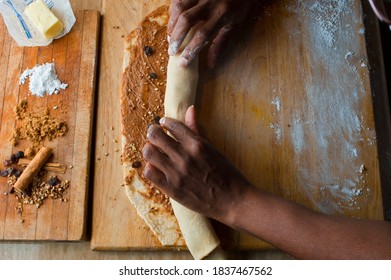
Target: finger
(200, 39)
(162, 141)
(185, 22)
(176, 8)
(179, 130)
(217, 45)
(191, 120)
(156, 176)
(154, 156)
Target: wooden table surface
(82, 250)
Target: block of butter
(43, 19)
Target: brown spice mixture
(143, 89)
(36, 128)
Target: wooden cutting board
(75, 58)
(290, 103)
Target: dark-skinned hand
(190, 170)
(216, 20)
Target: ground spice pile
(36, 128)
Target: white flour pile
(43, 80)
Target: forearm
(195, 174)
(307, 234)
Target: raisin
(14, 159)
(11, 170)
(156, 119)
(136, 164)
(19, 154)
(53, 181)
(148, 50)
(4, 173)
(7, 162)
(12, 191)
(18, 172)
(153, 75)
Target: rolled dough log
(180, 94)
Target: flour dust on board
(329, 120)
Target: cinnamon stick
(49, 166)
(32, 169)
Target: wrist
(237, 207)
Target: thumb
(191, 120)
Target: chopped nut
(38, 192)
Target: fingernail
(162, 121)
(168, 38)
(183, 61)
(173, 48)
(149, 132)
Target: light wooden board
(290, 104)
(75, 58)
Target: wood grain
(93, 5)
(281, 105)
(75, 57)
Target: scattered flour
(277, 131)
(297, 135)
(328, 120)
(327, 15)
(349, 55)
(43, 80)
(276, 102)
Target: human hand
(190, 170)
(217, 19)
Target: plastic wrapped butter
(37, 22)
(43, 19)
